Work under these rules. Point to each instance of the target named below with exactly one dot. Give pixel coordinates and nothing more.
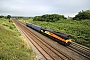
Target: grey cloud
(40, 7)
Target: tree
(8, 16)
(82, 15)
(49, 17)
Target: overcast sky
(40, 7)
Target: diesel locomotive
(62, 38)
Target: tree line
(8, 16)
(82, 15)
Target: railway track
(80, 49)
(47, 50)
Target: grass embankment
(12, 44)
(80, 30)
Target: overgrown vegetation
(12, 44)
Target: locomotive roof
(66, 36)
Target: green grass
(80, 30)
(12, 44)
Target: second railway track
(80, 49)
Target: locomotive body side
(59, 37)
(63, 38)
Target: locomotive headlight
(68, 40)
(47, 32)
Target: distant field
(80, 30)
(12, 44)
